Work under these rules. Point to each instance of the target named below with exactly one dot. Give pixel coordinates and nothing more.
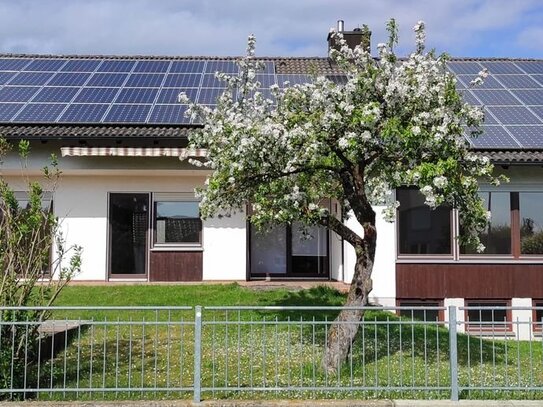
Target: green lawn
(279, 349)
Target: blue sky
(495, 28)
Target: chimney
(355, 37)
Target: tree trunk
(345, 326)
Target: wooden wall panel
(469, 280)
(175, 266)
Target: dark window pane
(531, 222)
(497, 236)
(538, 316)
(487, 318)
(422, 230)
(418, 310)
(177, 222)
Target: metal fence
(256, 352)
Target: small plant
(35, 265)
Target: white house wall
(384, 269)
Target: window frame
(426, 302)
(432, 257)
(487, 328)
(515, 257)
(174, 197)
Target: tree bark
(345, 326)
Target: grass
(279, 350)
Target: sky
(462, 28)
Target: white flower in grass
(415, 130)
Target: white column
(523, 329)
(460, 314)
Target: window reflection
(422, 230)
(177, 222)
(531, 222)
(497, 236)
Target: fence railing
(254, 352)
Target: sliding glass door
(284, 251)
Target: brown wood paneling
(469, 280)
(175, 266)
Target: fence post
(197, 353)
(453, 352)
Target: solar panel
(538, 79)
(17, 93)
(468, 97)
(495, 97)
(528, 136)
(517, 81)
(107, 79)
(514, 115)
(338, 79)
(48, 65)
(188, 66)
(169, 114)
(125, 113)
(50, 94)
(5, 77)
(538, 111)
(81, 65)
(489, 118)
(457, 67)
(489, 83)
(40, 112)
(84, 113)
(265, 80)
(8, 110)
(530, 66)
(137, 95)
(147, 80)
(208, 96)
(493, 137)
(501, 67)
(293, 79)
(31, 78)
(13, 64)
(183, 80)
(530, 96)
(221, 66)
(209, 81)
(116, 66)
(96, 95)
(69, 79)
(170, 96)
(152, 66)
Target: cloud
(282, 27)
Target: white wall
(384, 269)
(81, 202)
(225, 248)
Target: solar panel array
(512, 96)
(145, 91)
(122, 91)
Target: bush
(532, 244)
(31, 275)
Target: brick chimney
(355, 37)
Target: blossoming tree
(394, 122)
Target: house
(129, 201)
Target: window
(531, 222)
(419, 310)
(488, 315)
(538, 315)
(176, 220)
(422, 230)
(497, 236)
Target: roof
(105, 96)
(77, 132)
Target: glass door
(128, 231)
(309, 251)
(284, 251)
